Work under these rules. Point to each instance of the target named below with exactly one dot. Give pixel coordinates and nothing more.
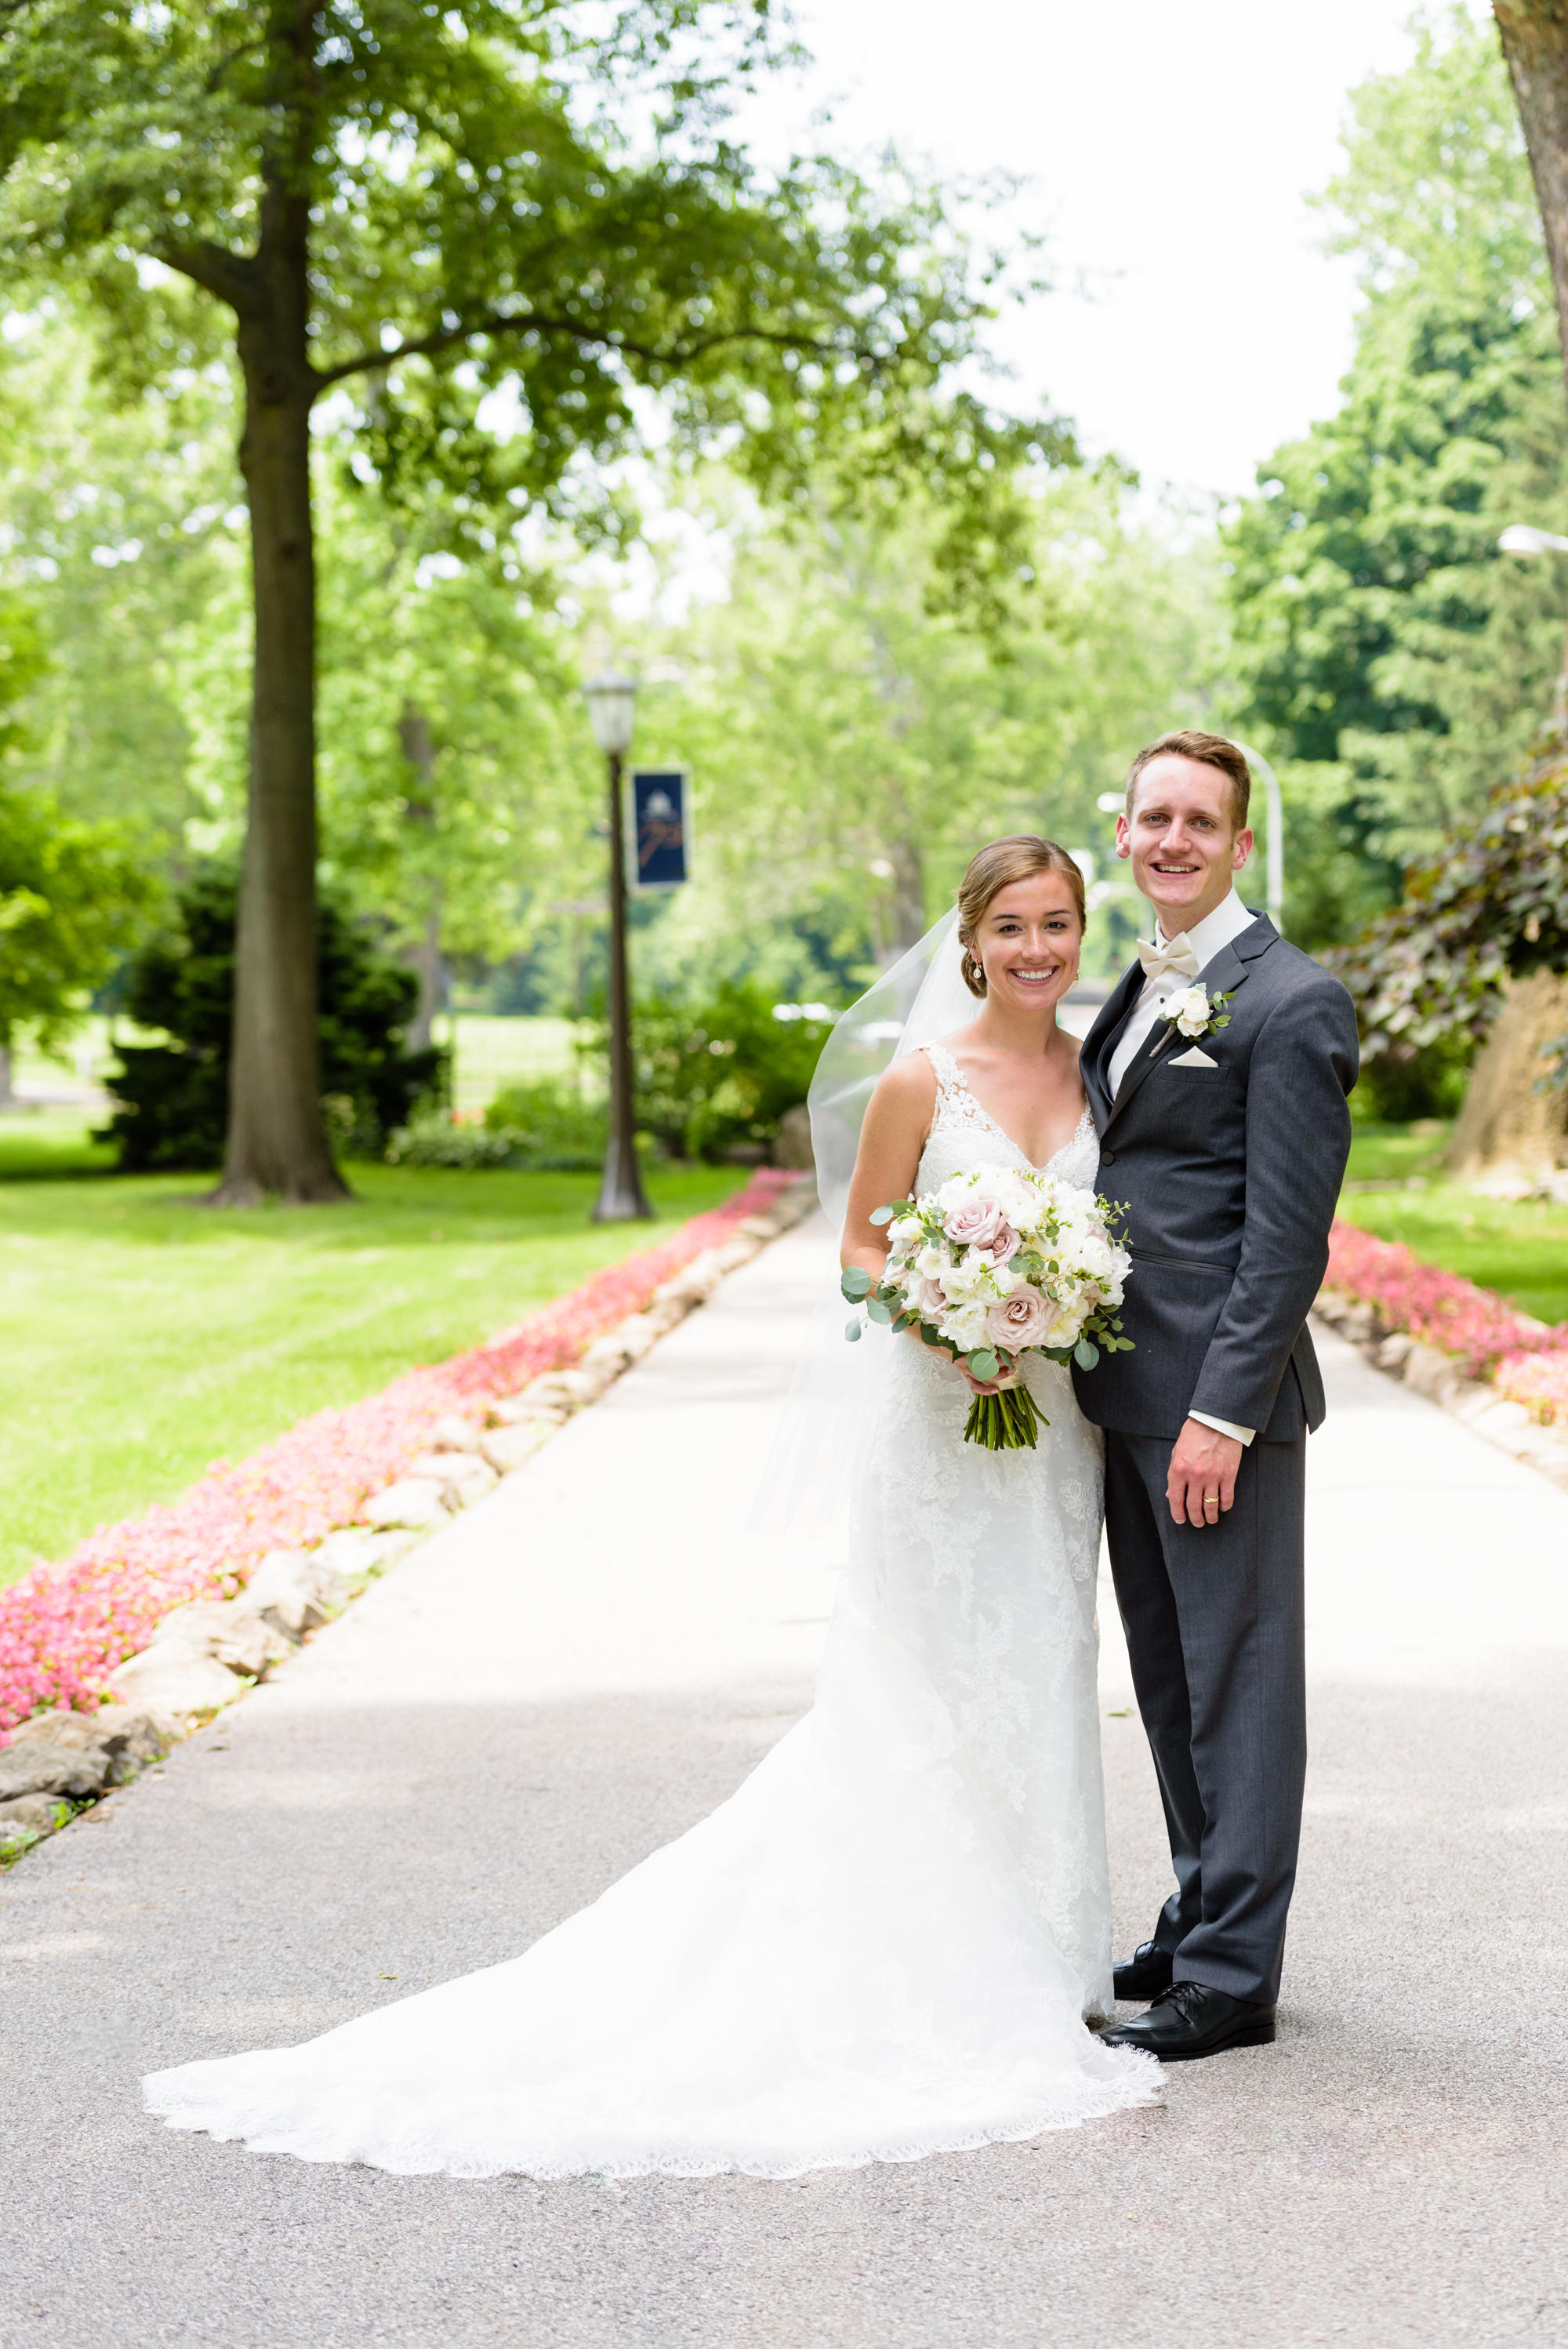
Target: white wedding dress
(884, 1945)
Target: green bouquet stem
(1007, 1421)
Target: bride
(891, 1940)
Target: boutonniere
(1192, 1011)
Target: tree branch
(513, 322)
(231, 276)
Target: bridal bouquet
(995, 1263)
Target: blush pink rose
(1006, 1244)
(976, 1224)
(1025, 1319)
(928, 1301)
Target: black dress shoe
(1189, 2019)
(1145, 1973)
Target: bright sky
(1172, 149)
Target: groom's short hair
(1211, 751)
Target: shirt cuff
(1244, 1435)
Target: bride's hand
(984, 1386)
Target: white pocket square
(1195, 1058)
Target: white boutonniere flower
(1195, 1012)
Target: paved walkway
(580, 1669)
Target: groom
(1228, 1147)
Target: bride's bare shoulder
(907, 1086)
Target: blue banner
(661, 826)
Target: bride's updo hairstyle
(996, 867)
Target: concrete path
(579, 1669)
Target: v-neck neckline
(959, 1083)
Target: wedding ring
(1211, 1500)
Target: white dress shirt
(1228, 920)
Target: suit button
(1107, 1157)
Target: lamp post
(1523, 538)
(1273, 850)
(611, 702)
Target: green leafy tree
(851, 746)
(456, 762)
(173, 1097)
(436, 204)
(125, 535)
(1394, 664)
(70, 896)
(1489, 909)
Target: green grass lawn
(1520, 1248)
(143, 1335)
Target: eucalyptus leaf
(855, 1282)
(1085, 1355)
(879, 1312)
(880, 1215)
(982, 1363)
(852, 1330)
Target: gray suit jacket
(1231, 1176)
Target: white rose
(1188, 1008)
(1093, 1257)
(929, 1262)
(903, 1229)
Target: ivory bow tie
(1172, 959)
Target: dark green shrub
(715, 1078)
(1397, 1086)
(172, 1099)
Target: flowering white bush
(996, 1263)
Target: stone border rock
(206, 1654)
(1442, 1379)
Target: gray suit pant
(1214, 1622)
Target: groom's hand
(1202, 1483)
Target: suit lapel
(1156, 1042)
(1100, 1042)
(1221, 975)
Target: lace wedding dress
(884, 1945)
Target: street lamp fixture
(612, 704)
(612, 707)
(1523, 538)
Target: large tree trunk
(277, 1135)
(1508, 1134)
(908, 894)
(426, 957)
(1534, 35)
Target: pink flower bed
(1540, 1381)
(1525, 1362)
(64, 1628)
